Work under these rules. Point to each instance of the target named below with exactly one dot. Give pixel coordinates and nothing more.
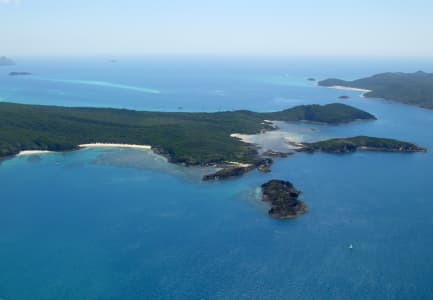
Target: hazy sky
(349, 27)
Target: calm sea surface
(124, 224)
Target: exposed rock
(272, 153)
(264, 165)
(283, 197)
(227, 172)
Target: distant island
(409, 88)
(19, 73)
(283, 197)
(360, 143)
(6, 61)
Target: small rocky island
(6, 61)
(19, 74)
(360, 143)
(283, 197)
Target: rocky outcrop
(229, 171)
(272, 153)
(283, 197)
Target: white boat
(350, 247)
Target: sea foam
(103, 84)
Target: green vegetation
(414, 88)
(283, 197)
(263, 165)
(366, 143)
(190, 138)
(335, 113)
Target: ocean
(124, 224)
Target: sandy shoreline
(105, 145)
(339, 87)
(93, 145)
(31, 152)
(238, 164)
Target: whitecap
(102, 84)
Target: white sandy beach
(277, 140)
(238, 164)
(339, 87)
(93, 145)
(31, 152)
(105, 145)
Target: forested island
(409, 88)
(6, 61)
(360, 143)
(184, 138)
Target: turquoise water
(124, 224)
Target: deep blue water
(123, 224)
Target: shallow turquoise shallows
(124, 224)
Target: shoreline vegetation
(200, 139)
(408, 88)
(359, 143)
(184, 138)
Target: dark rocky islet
(283, 198)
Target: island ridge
(409, 88)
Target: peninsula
(409, 88)
(360, 143)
